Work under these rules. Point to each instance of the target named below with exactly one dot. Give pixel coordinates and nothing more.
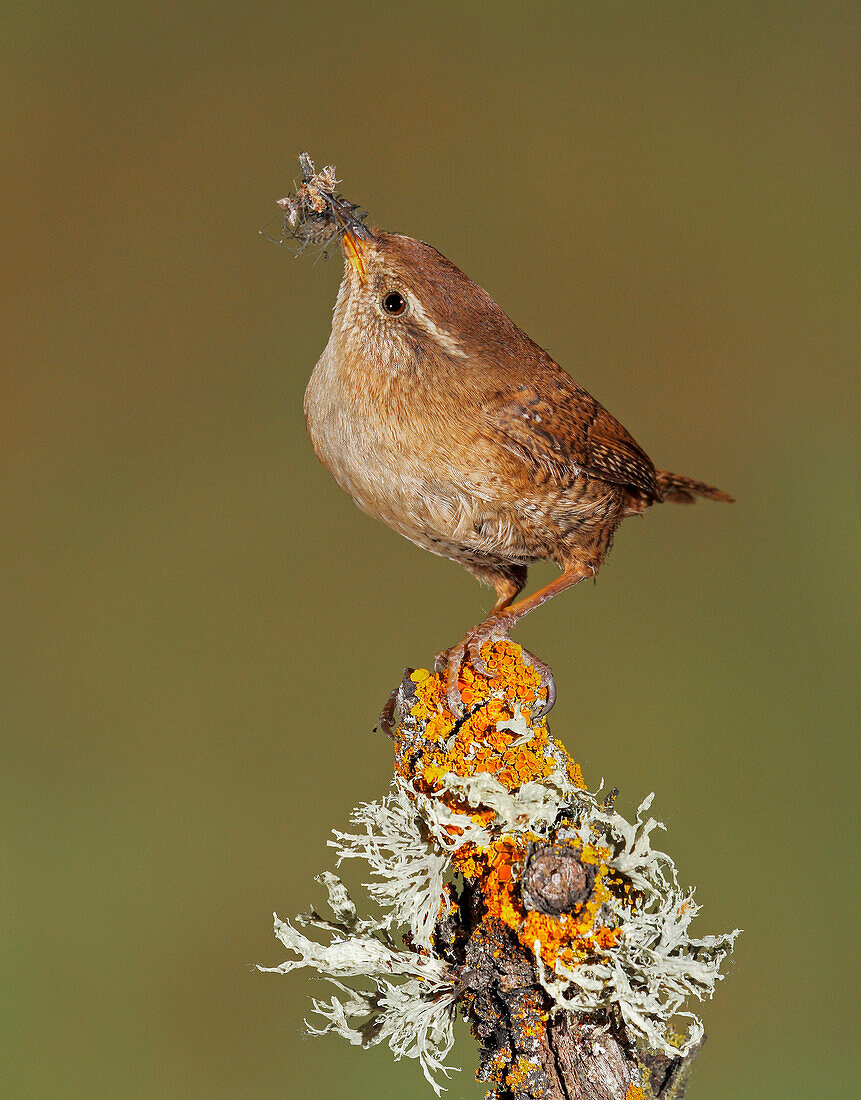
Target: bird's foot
(447, 663)
(494, 629)
(547, 682)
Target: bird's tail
(684, 489)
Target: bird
(443, 419)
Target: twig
(512, 894)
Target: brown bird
(440, 417)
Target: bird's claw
(494, 629)
(449, 662)
(547, 682)
(452, 675)
(491, 630)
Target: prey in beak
(315, 213)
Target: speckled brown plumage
(448, 423)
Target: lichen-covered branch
(510, 893)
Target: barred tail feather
(684, 489)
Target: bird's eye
(394, 303)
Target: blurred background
(199, 628)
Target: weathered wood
(528, 1050)
(578, 1058)
(512, 894)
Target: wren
(441, 418)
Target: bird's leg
(507, 589)
(508, 580)
(497, 627)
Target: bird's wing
(557, 427)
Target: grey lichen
(655, 966)
(413, 1015)
(406, 839)
(422, 842)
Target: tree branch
(513, 895)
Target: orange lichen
(498, 737)
(568, 938)
(634, 1092)
(518, 1073)
(483, 742)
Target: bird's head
(402, 302)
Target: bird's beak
(354, 250)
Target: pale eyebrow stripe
(443, 338)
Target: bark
(577, 1058)
(530, 1050)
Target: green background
(198, 626)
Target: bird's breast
(365, 431)
(409, 455)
